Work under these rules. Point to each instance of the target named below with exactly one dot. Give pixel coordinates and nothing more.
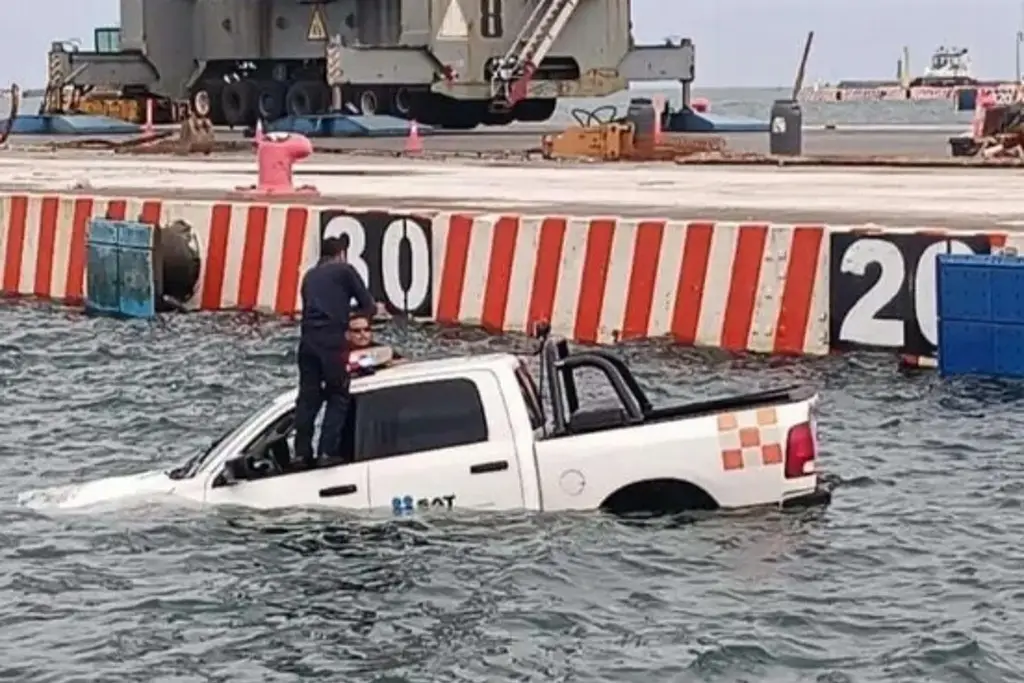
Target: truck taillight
(800, 451)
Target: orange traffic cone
(413, 143)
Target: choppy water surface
(913, 574)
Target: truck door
(270, 480)
(444, 443)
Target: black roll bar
(629, 378)
(602, 363)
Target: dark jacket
(327, 292)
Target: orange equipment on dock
(636, 137)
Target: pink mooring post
(701, 105)
(276, 154)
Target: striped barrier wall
(782, 289)
(740, 287)
(252, 254)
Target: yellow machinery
(96, 102)
(123, 108)
(619, 142)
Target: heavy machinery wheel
(239, 102)
(367, 103)
(534, 111)
(270, 101)
(206, 100)
(306, 98)
(402, 102)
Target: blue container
(967, 99)
(343, 126)
(980, 303)
(71, 124)
(121, 269)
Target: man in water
(327, 292)
(360, 337)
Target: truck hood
(141, 486)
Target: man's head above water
(359, 334)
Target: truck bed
(761, 399)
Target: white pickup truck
(472, 433)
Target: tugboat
(950, 67)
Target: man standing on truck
(327, 292)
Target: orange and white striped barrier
(759, 287)
(252, 254)
(742, 287)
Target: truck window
(530, 396)
(419, 417)
(271, 453)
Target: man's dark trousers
(323, 379)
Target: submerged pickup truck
(472, 433)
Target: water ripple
(911, 575)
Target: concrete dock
(927, 143)
(930, 142)
(964, 198)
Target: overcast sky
(739, 42)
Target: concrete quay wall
(760, 284)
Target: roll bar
(559, 366)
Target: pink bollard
(276, 154)
(701, 105)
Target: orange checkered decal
(750, 439)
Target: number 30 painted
(862, 324)
(398, 230)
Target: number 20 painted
(862, 324)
